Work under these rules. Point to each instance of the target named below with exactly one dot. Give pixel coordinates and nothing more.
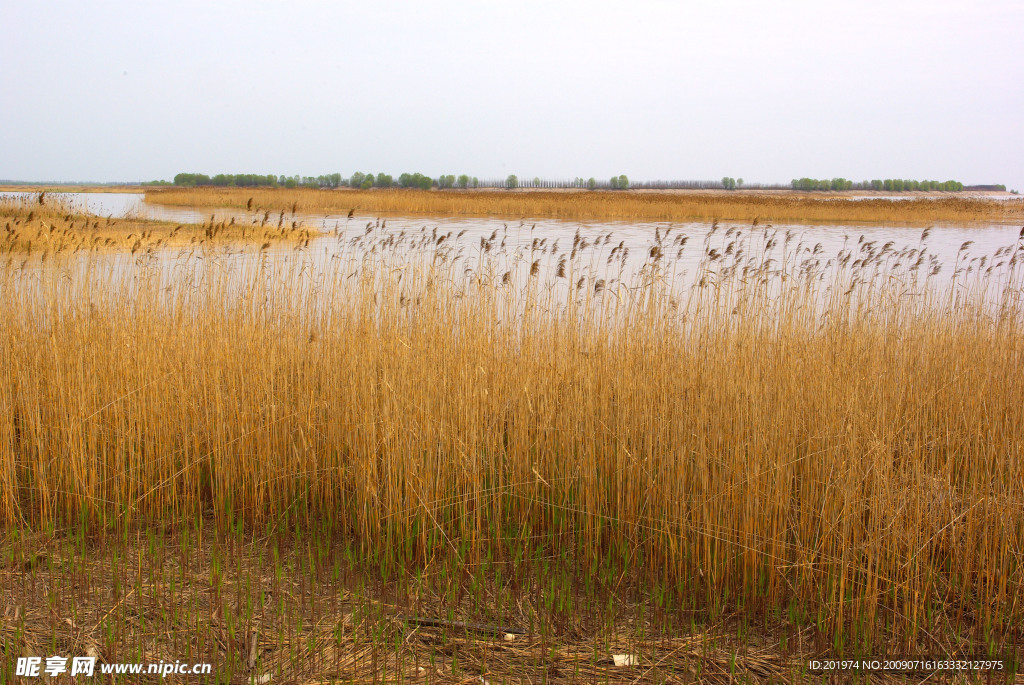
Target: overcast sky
(766, 91)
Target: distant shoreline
(745, 192)
(71, 188)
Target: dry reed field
(618, 205)
(380, 466)
(48, 225)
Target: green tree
(189, 180)
(591, 183)
(416, 180)
(511, 182)
(462, 181)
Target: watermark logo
(36, 666)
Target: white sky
(766, 91)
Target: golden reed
(753, 440)
(600, 205)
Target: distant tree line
(621, 182)
(240, 180)
(994, 186)
(336, 180)
(896, 185)
(382, 180)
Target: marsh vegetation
(622, 206)
(46, 224)
(280, 464)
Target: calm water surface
(613, 250)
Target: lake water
(617, 252)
